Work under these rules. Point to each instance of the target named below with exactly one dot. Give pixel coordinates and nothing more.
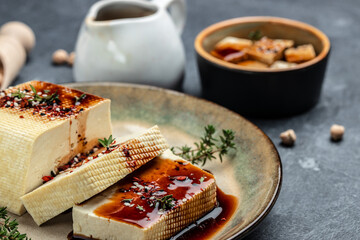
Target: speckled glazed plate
(252, 173)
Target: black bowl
(262, 92)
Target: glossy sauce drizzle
(212, 222)
(145, 188)
(179, 179)
(205, 227)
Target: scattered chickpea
(71, 59)
(288, 137)
(337, 132)
(60, 57)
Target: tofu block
(300, 54)
(155, 202)
(41, 132)
(282, 65)
(233, 43)
(253, 64)
(236, 57)
(268, 50)
(216, 54)
(92, 175)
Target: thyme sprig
(79, 99)
(9, 228)
(106, 142)
(208, 146)
(19, 94)
(141, 208)
(48, 99)
(255, 35)
(166, 202)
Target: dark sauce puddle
(205, 227)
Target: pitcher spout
(119, 11)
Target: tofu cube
(282, 65)
(236, 56)
(300, 54)
(268, 50)
(233, 43)
(155, 202)
(253, 64)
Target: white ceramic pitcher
(132, 41)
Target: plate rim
(270, 204)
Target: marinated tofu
(236, 56)
(156, 201)
(300, 54)
(268, 50)
(282, 65)
(85, 177)
(233, 43)
(43, 126)
(253, 64)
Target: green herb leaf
(140, 208)
(255, 35)
(18, 94)
(106, 142)
(9, 228)
(50, 99)
(202, 179)
(33, 89)
(79, 99)
(207, 147)
(166, 202)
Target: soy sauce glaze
(136, 200)
(205, 227)
(212, 222)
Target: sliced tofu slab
(233, 43)
(282, 65)
(300, 54)
(93, 175)
(155, 202)
(269, 50)
(253, 64)
(40, 132)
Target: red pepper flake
(63, 168)
(47, 178)
(181, 178)
(135, 179)
(21, 116)
(127, 152)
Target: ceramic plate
(252, 173)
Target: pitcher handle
(177, 9)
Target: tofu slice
(233, 43)
(253, 64)
(267, 50)
(37, 138)
(282, 65)
(300, 54)
(93, 175)
(236, 57)
(132, 208)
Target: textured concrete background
(321, 187)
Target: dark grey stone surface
(320, 196)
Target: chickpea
(337, 132)
(288, 137)
(60, 57)
(71, 59)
